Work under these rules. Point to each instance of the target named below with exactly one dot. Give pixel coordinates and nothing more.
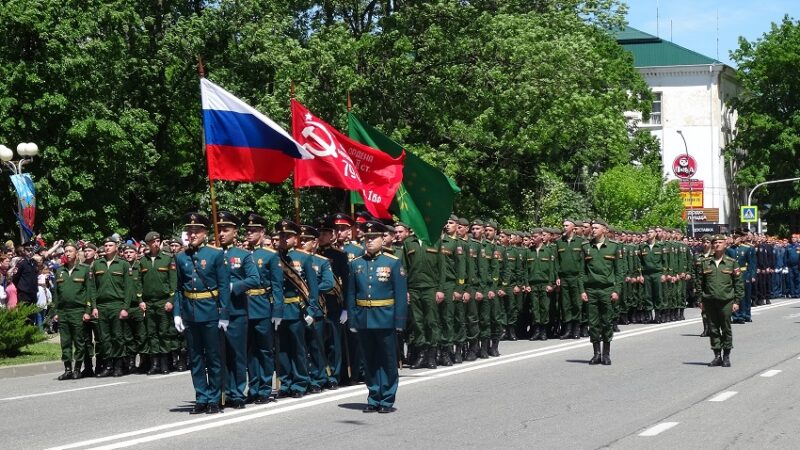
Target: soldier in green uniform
(653, 259)
(159, 281)
(133, 327)
(603, 271)
(451, 265)
(569, 261)
(91, 331)
(201, 308)
(721, 287)
(508, 280)
(265, 310)
(243, 277)
(423, 265)
(493, 296)
(74, 305)
(541, 279)
(115, 292)
(697, 266)
(376, 303)
(586, 233)
(474, 290)
(461, 294)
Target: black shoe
(107, 371)
(76, 373)
(726, 357)
(384, 410)
(419, 359)
(584, 331)
(87, 371)
(67, 375)
(261, 400)
(615, 327)
(284, 394)
(606, 358)
(199, 408)
(333, 385)
(596, 358)
(704, 333)
(457, 356)
(567, 334)
(738, 321)
(118, 364)
(315, 389)
(182, 359)
(370, 409)
(493, 347)
(164, 364)
(236, 404)
(769, 302)
(146, 363)
(155, 365)
(484, 351)
(445, 358)
(717, 361)
(471, 356)
(512, 335)
(430, 361)
(213, 409)
(297, 394)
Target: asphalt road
(658, 393)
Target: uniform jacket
(377, 277)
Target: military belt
(375, 303)
(289, 300)
(201, 295)
(258, 291)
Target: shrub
(15, 330)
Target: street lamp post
(691, 193)
(26, 151)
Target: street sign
(749, 214)
(684, 166)
(692, 199)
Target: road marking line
(771, 373)
(657, 429)
(173, 374)
(722, 396)
(286, 405)
(43, 394)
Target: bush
(15, 330)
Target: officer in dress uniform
(721, 289)
(352, 248)
(335, 312)
(73, 303)
(159, 281)
(265, 310)
(201, 308)
(376, 303)
(300, 306)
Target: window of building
(655, 115)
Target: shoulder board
(357, 258)
(585, 244)
(390, 255)
(725, 258)
(213, 247)
(269, 249)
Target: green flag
(424, 200)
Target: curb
(24, 370)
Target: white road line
(771, 373)
(173, 374)
(43, 394)
(657, 429)
(286, 405)
(722, 396)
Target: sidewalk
(24, 370)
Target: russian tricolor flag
(241, 143)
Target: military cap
(151, 236)
(491, 223)
(363, 217)
(477, 222)
(401, 224)
(705, 237)
(372, 228)
(572, 221)
(227, 218)
(253, 220)
(342, 219)
(91, 246)
(287, 226)
(536, 231)
(111, 238)
(307, 231)
(600, 222)
(554, 230)
(718, 237)
(453, 217)
(463, 221)
(195, 219)
(29, 243)
(390, 228)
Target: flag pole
(296, 189)
(201, 70)
(353, 229)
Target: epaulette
(269, 249)
(391, 255)
(300, 250)
(727, 258)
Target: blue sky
(694, 22)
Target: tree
(636, 197)
(768, 137)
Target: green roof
(652, 51)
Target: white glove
(353, 330)
(223, 324)
(277, 322)
(343, 317)
(178, 324)
(309, 320)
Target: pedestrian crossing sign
(749, 214)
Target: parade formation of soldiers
(292, 309)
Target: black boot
(118, 367)
(623, 319)
(87, 368)
(512, 335)
(104, 369)
(155, 365)
(576, 330)
(445, 358)
(165, 364)
(567, 334)
(471, 351)
(726, 357)
(680, 314)
(67, 375)
(431, 359)
(596, 358)
(584, 331)
(717, 361)
(705, 327)
(183, 360)
(493, 350)
(534, 333)
(615, 326)
(145, 363)
(419, 358)
(543, 334)
(606, 359)
(484, 350)
(76, 372)
(458, 356)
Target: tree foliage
(15, 331)
(767, 144)
(508, 97)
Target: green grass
(48, 350)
